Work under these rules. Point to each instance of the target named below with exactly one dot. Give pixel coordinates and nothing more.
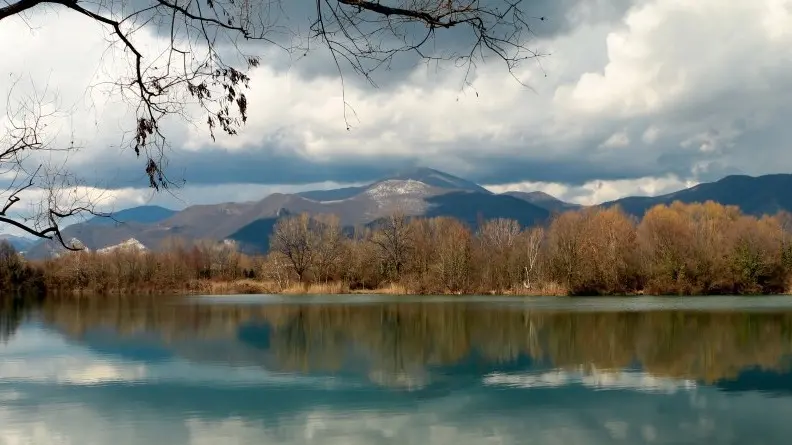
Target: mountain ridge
(544, 200)
(419, 192)
(19, 243)
(415, 192)
(754, 195)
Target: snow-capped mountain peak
(397, 187)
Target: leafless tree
(394, 241)
(497, 238)
(453, 255)
(532, 242)
(329, 244)
(212, 45)
(38, 193)
(295, 239)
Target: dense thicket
(18, 278)
(678, 249)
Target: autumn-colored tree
(566, 240)
(675, 249)
(665, 237)
(609, 250)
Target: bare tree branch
(47, 187)
(211, 46)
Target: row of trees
(678, 249)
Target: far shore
(252, 287)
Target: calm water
(367, 370)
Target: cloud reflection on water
(101, 386)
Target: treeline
(677, 249)
(16, 276)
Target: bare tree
(329, 244)
(395, 243)
(454, 247)
(565, 242)
(211, 46)
(37, 193)
(533, 239)
(497, 239)
(295, 239)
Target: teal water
(375, 370)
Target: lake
(397, 370)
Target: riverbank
(252, 286)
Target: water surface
(389, 370)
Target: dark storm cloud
(570, 170)
(721, 100)
(756, 149)
(580, 166)
(281, 165)
(557, 18)
(260, 166)
(293, 20)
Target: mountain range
(418, 192)
(20, 243)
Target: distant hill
(418, 192)
(99, 232)
(255, 237)
(754, 195)
(142, 214)
(545, 201)
(332, 195)
(427, 176)
(472, 208)
(439, 179)
(19, 243)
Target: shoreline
(256, 287)
(253, 287)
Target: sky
(635, 97)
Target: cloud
(624, 380)
(616, 140)
(637, 97)
(595, 192)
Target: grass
(316, 288)
(334, 288)
(246, 286)
(251, 286)
(550, 289)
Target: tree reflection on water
(400, 343)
